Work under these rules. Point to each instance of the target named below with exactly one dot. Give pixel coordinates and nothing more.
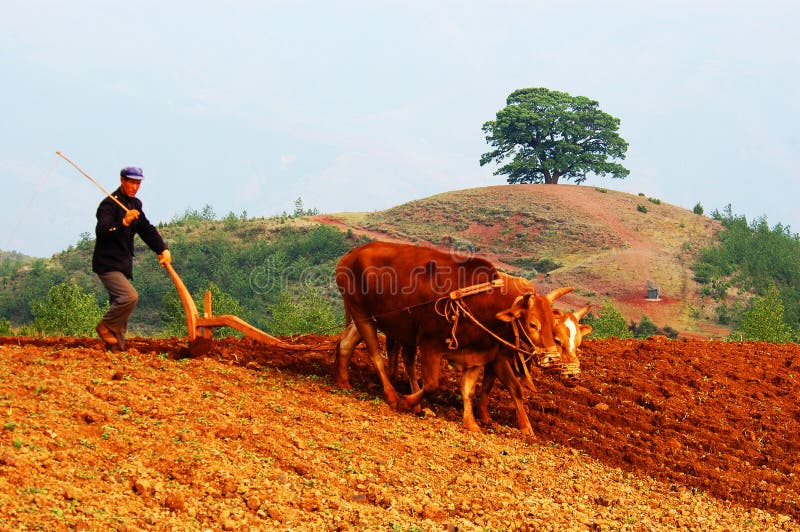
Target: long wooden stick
(58, 152)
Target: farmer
(112, 260)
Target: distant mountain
(631, 249)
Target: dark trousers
(122, 297)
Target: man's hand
(130, 216)
(165, 258)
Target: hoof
(343, 383)
(472, 427)
(411, 402)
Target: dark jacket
(113, 249)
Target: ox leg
(393, 355)
(344, 352)
(410, 363)
(369, 333)
(489, 377)
(506, 375)
(467, 388)
(431, 371)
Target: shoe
(120, 335)
(108, 336)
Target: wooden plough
(201, 328)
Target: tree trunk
(552, 179)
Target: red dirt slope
(658, 434)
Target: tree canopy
(549, 135)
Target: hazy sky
(363, 105)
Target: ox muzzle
(570, 371)
(549, 358)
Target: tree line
(753, 258)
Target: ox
(450, 306)
(569, 333)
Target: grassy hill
(607, 244)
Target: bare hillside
(609, 245)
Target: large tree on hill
(549, 135)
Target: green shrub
(310, 313)
(641, 208)
(609, 323)
(542, 265)
(698, 209)
(5, 327)
(729, 314)
(546, 265)
(763, 321)
(669, 332)
(645, 328)
(67, 310)
(755, 258)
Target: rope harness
(453, 307)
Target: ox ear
(585, 329)
(521, 303)
(558, 314)
(508, 314)
(558, 292)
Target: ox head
(535, 314)
(569, 334)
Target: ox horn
(579, 314)
(523, 300)
(558, 292)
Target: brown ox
(427, 298)
(569, 333)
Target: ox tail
(348, 316)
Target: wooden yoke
(200, 328)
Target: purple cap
(132, 172)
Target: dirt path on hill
(635, 257)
